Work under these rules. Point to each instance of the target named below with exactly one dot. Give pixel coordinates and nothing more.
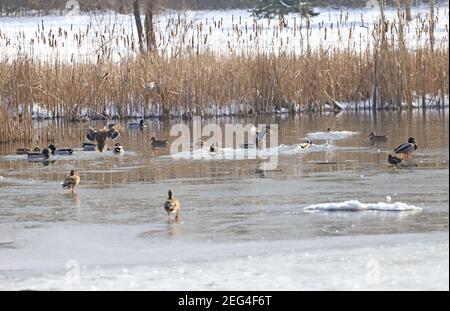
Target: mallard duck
(118, 148)
(215, 148)
(65, 151)
(25, 151)
(71, 181)
(100, 136)
(377, 138)
(247, 146)
(44, 155)
(394, 160)
(140, 125)
(306, 145)
(407, 149)
(89, 147)
(259, 138)
(260, 135)
(159, 142)
(172, 206)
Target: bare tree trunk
(432, 25)
(137, 17)
(149, 30)
(407, 6)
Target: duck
(140, 125)
(118, 148)
(25, 151)
(259, 138)
(65, 151)
(395, 161)
(407, 149)
(215, 148)
(159, 142)
(260, 135)
(172, 206)
(329, 130)
(44, 155)
(71, 181)
(377, 138)
(100, 136)
(306, 145)
(89, 147)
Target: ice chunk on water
(354, 206)
(330, 135)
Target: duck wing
(113, 134)
(403, 148)
(90, 135)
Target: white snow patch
(356, 206)
(330, 135)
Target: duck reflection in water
(75, 198)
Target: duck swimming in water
(159, 142)
(172, 206)
(44, 155)
(140, 125)
(118, 148)
(89, 147)
(407, 149)
(377, 138)
(71, 181)
(306, 145)
(25, 151)
(65, 151)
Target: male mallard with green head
(65, 151)
(172, 206)
(44, 155)
(159, 142)
(71, 181)
(407, 149)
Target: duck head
(412, 141)
(372, 134)
(52, 147)
(46, 152)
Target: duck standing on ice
(407, 149)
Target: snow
(87, 37)
(356, 206)
(332, 135)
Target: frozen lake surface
(334, 218)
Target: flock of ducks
(172, 206)
(97, 142)
(404, 150)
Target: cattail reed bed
(190, 79)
